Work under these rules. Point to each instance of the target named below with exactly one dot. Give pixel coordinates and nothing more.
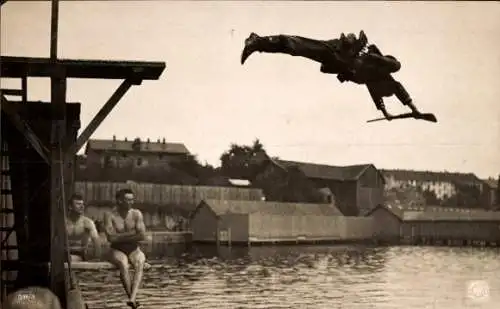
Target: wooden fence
(103, 193)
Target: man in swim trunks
(124, 227)
(80, 229)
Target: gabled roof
(329, 172)
(127, 146)
(410, 214)
(409, 175)
(220, 207)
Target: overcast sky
(207, 100)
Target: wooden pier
(39, 144)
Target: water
(308, 277)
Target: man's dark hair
(120, 194)
(75, 197)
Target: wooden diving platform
(16, 67)
(79, 265)
(98, 265)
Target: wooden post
(58, 119)
(217, 235)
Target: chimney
(148, 140)
(158, 141)
(125, 138)
(114, 138)
(136, 145)
(163, 140)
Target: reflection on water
(306, 277)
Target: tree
(242, 161)
(191, 166)
(405, 196)
(466, 196)
(290, 185)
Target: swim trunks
(125, 247)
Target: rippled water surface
(308, 277)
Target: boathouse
(416, 225)
(226, 221)
(356, 188)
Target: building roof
(430, 213)
(409, 175)
(329, 172)
(220, 207)
(127, 146)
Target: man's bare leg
(120, 260)
(137, 259)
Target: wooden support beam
(99, 117)
(57, 199)
(24, 89)
(26, 130)
(16, 92)
(58, 133)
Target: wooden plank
(101, 266)
(25, 129)
(13, 92)
(14, 67)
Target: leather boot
(251, 46)
(412, 107)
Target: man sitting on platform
(125, 228)
(80, 230)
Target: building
(443, 184)
(237, 221)
(356, 188)
(416, 225)
(463, 190)
(492, 192)
(136, 153)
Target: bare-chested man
(80, 230)
(124, 227)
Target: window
(139, 161)
(108, 161)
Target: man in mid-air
(80, 229)
(348, 57)
(125, 229)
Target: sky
(207, 100)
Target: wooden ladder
(8, 248)
(9, 253)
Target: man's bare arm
(94, 236)
(140, 225)
(134, 236)
(109, 229)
